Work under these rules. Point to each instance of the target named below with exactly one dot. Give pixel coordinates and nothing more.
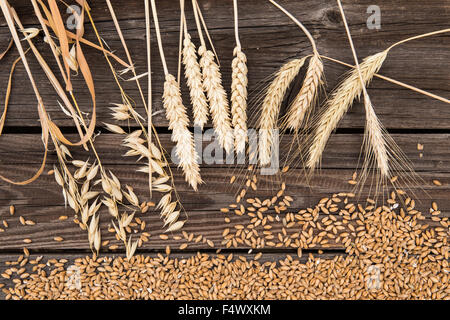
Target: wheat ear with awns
(307, 95)
(350, 89)
(178, 120)
(373, 132)
(271, 106)
(212, 85)
(339, 102)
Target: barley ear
(341, 99)
(271, 106)
(239, 99)
(217, 97)
(195, 83)
(178, 123)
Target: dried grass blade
(55, 83)
(7, 49)
(8, 93)
(60, 32)
(73, 36)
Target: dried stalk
(339, 102)
(374, 135)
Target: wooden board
(269, 39)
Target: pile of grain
(222, 277)
(391, 252)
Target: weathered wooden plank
(342, 151)
(216, 192)
(45, 205)
(269, 39)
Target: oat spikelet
(340, 101)
(307, 95)
(376, 143)
(239, 99)
(217, 97)
(178, 123)
(271, 106)
(194, 82)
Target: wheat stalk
(212, 85)
(396, 82)
(217, 97)
(239, 98)
(178, 120)
(373, 134)
(341, 99)
(178, 123)
(374, 137)
(307, 95)
(194, 81)
(271, 106)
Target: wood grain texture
(342, 151)
(268, 39)
(43, 204)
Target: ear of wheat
(239, 99)
(217, 98)
(307, 95)
(271, 106)
(194, 82)
(340, 101)
(178, 123)
(374, 138)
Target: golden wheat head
(178, 123)
(307, 95)
(271, 106)
(217, 97)
(194, 82)
(338, 104)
